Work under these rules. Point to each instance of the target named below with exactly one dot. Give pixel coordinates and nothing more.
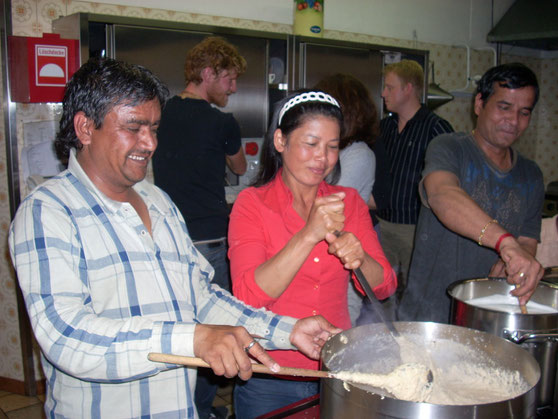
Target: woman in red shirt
(284, 254)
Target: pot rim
(452, 288)
(438, 331)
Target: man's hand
(223, 348)
(522, 269)
(498, 270)
(310, 334)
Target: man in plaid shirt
(109, 273)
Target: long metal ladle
(376, 305)
(379, 310)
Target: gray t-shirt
(358, 166)
(513, 197)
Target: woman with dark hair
(359, 132)
(356, 158)
(285, 251)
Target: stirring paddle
(359, 378)
(522, 307)
(191, 361)
(379, 310)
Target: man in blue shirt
(109, 273)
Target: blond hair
(409, 71)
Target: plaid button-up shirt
(102, 293)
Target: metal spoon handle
(376, 305)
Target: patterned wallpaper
(33, 17)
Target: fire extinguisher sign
(51, 65)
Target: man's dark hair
(509, 76)
(98, 86)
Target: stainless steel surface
(162, 45)
(250, 104)
(361, 348)
(160, 50)
(163, 51)
(544, 347)
(316, 60)
(528, 24)
(517, 337)
(306, 60)
(436, 96)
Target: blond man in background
(404, 133)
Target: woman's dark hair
(98, 86)
(509, 76)
(360, 118)
(293, 118)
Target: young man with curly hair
(196, 140)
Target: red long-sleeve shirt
(262, 221)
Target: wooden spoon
(191, 361)
(522, 307)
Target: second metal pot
(536, 333)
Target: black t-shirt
(189, 163)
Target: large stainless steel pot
(359, 346)
(536, 333)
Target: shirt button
(314, 312)
(316, 259)
(316, 286)
(143, 232)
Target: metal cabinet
(277, 63)
(163, 51)
(161, 46)
(315, 59)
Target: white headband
(306, 97)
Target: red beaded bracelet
(502, 237)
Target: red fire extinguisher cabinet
(41, 67)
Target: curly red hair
(213, 52)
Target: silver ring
(247, 348)
(521, 274)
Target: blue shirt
(102, 293)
